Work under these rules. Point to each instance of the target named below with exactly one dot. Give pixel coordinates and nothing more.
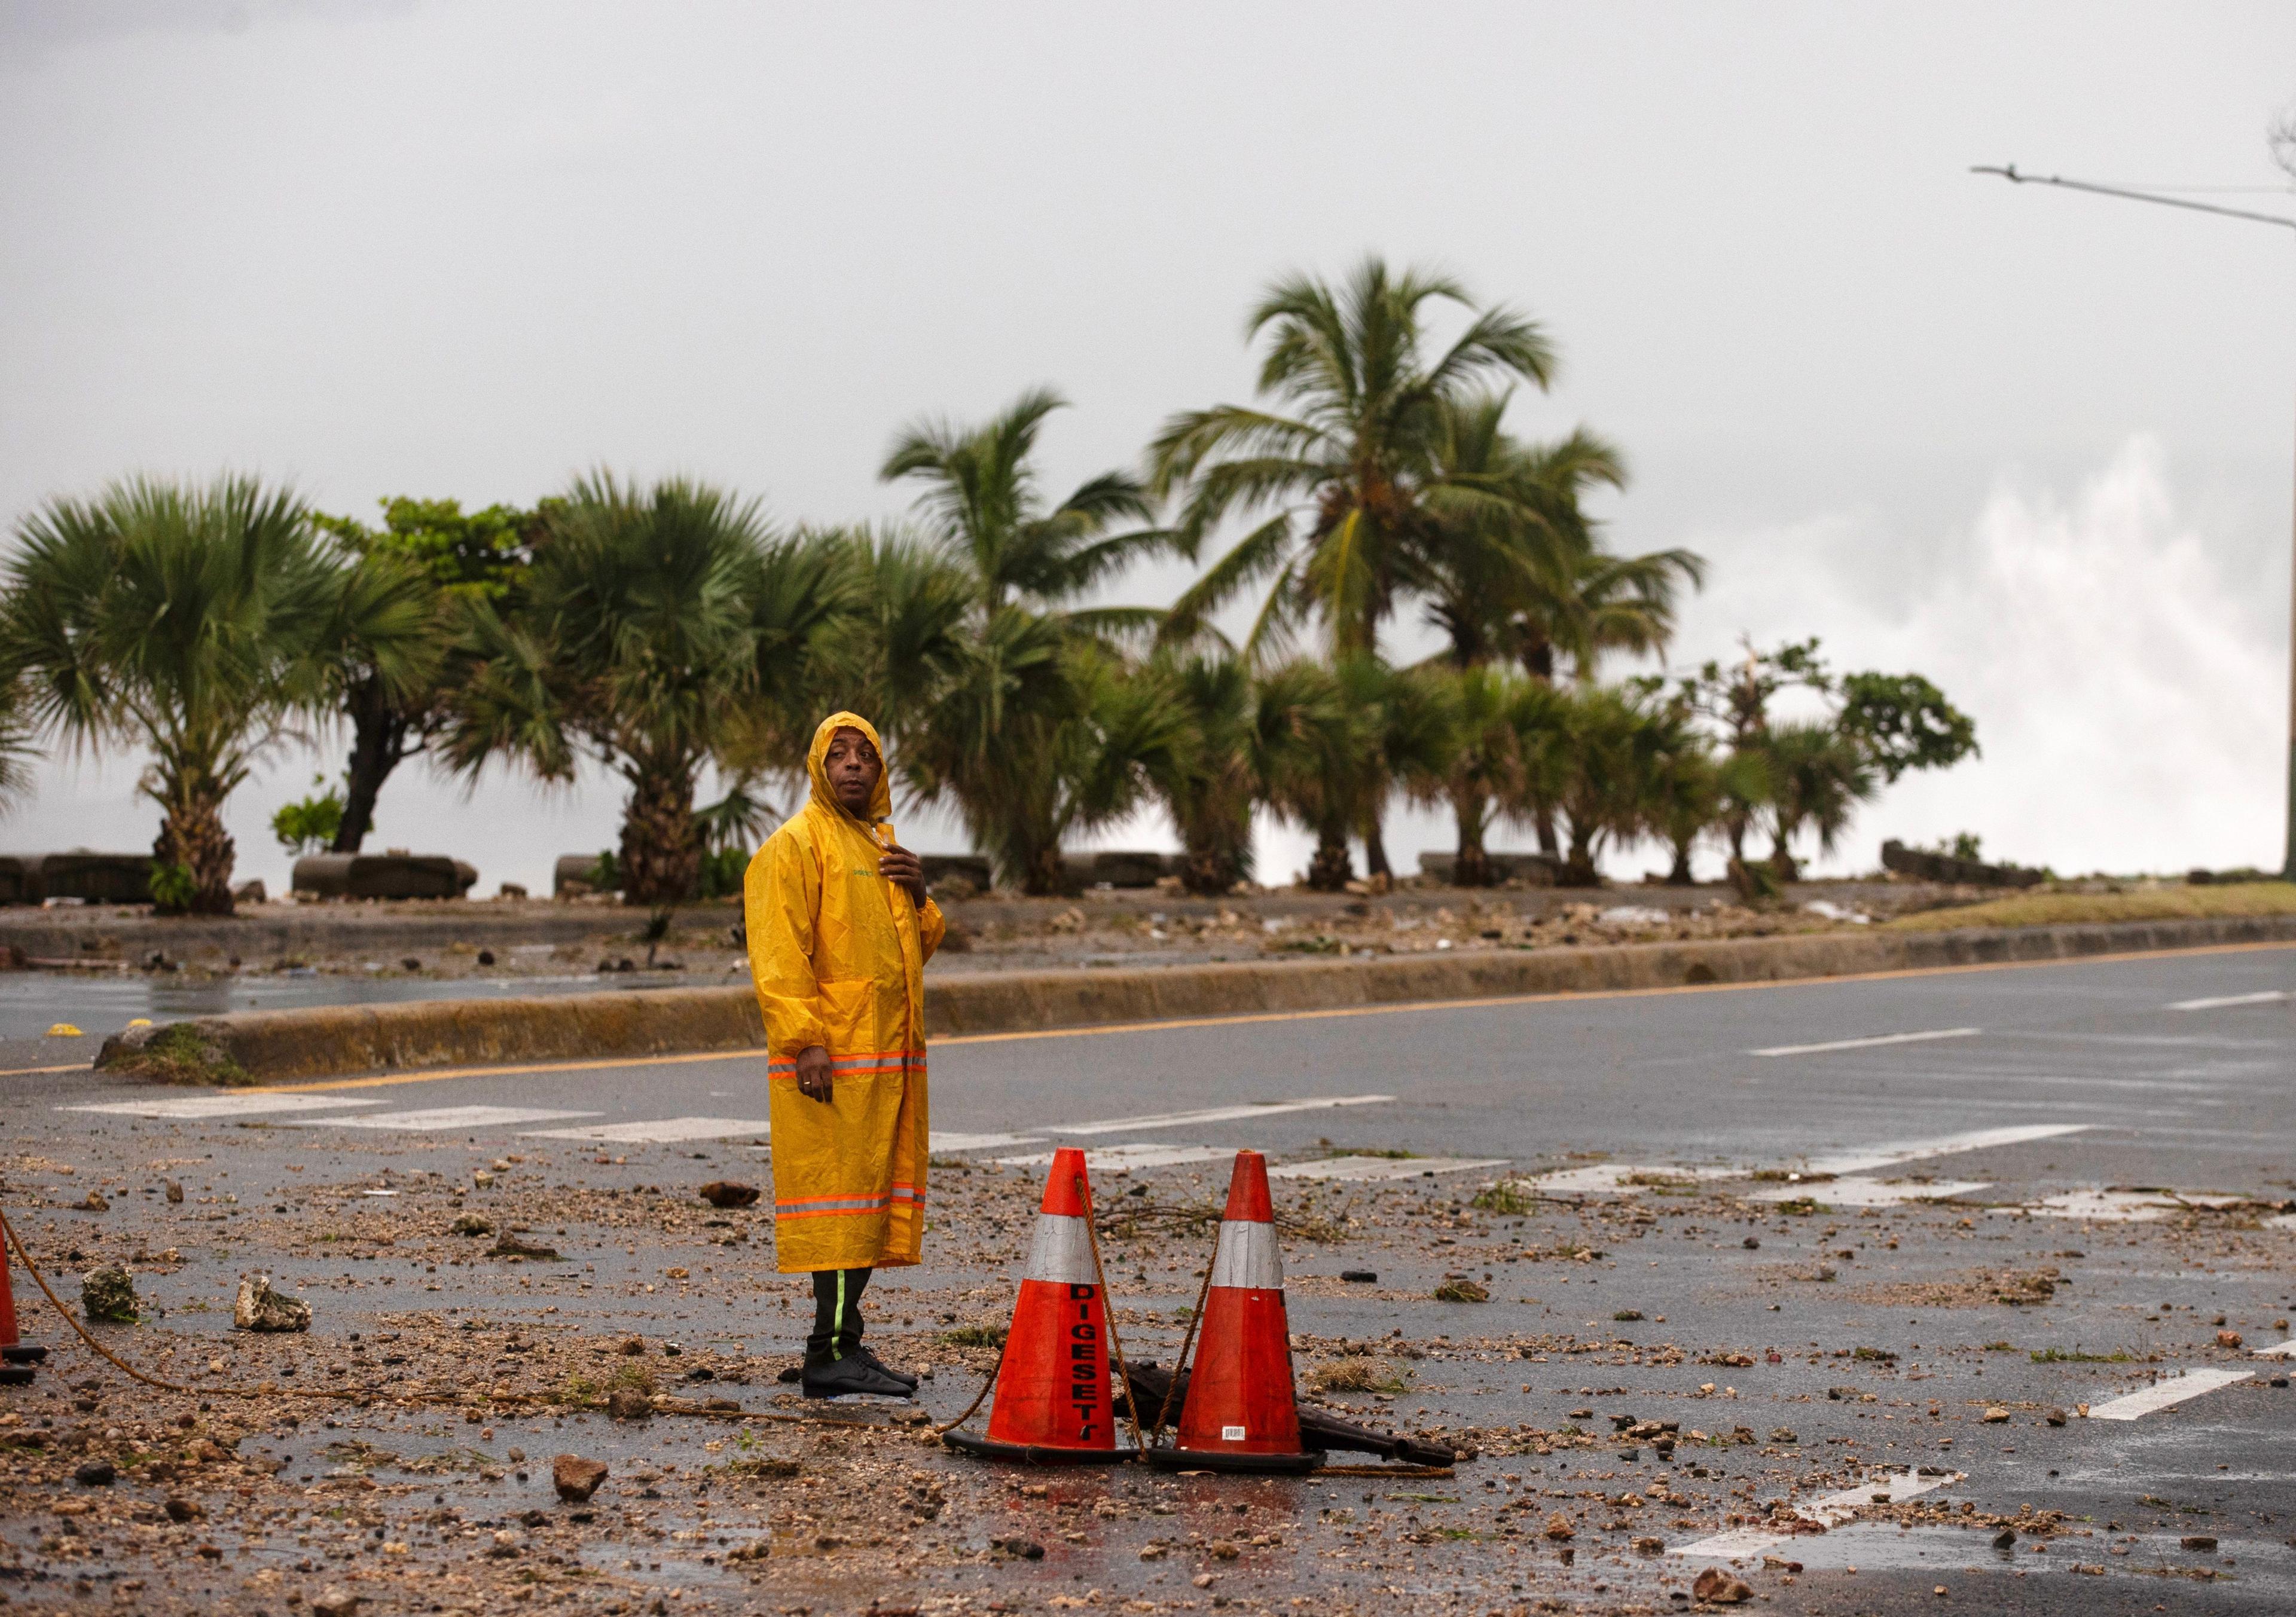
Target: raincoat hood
(817, 766)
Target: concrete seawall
(283, 1046)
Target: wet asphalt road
(2149, 1086)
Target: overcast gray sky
(2034, 444)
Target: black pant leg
(836, 1314)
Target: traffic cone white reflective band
(1248, 1257)
(1061, 1251)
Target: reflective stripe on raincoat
(838, 954)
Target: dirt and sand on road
(478, 1300)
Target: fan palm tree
(1029, 728)
(1481, 711)
(1818, 776)
(193, 622)
(662, 629)
(1340, 470)
(1591, 752)
(1041, 734)
(1250, 736)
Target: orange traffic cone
(1241, 1413)
(1053, 1405)
(16, 1359)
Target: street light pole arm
(2008, 171)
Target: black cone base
(1197, 1460)
(23, 1353)
(1036, 1454)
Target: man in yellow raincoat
(840, 930)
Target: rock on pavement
(261, 1309)
(576, 1478)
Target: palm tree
(1029, 730)
(1590, 755)
(1342, 469)
(984, 510)
(1482, 711)
(1042, 733)
(662, 629)
(1249, 736)
(192, 621)
(1818, 777)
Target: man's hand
(904, 869)
(812, 1079)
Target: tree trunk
(1375, 848)
(662, 841)
(1680, 876)
(1209, 873)
(1470, 867)
(191, 835)
(1044, 874)
(1579, 870)
(378, 746)
(1549, 843)
(1330, 869)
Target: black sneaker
(883, 1369)
(851, 1376)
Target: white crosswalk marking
(192, 1108)
(443, 1120)
(1132, 1154)
(981, 1142)
(1351, 1168)
(1829, 1510)
(1178, 1120)
(1874, 1042)
(1624, 1178)
(1920, 1150)
(660, 1131)
(2278, 1350)
(2270, 997)
(2168, 1390)
(1856, 1191)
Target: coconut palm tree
(1341, 469)
(192, 621)
(1517, 570)
(662, 629)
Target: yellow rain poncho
(837, 953)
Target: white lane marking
(443, 1119)
(2285, 1221)
(1384, 1167)
(659, 1132)
(1875, 1042)
(1920, 1150)
(2270, 996)
(1176, 1120)
(981, 1142)
(2123, 1206)
(2278, 1350)
(1832, 1510)
(1132, 1154)
(1625, 1178)
(191, 1108)
(1856, 1191)
(2169, 1390)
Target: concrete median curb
(284, 1046)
